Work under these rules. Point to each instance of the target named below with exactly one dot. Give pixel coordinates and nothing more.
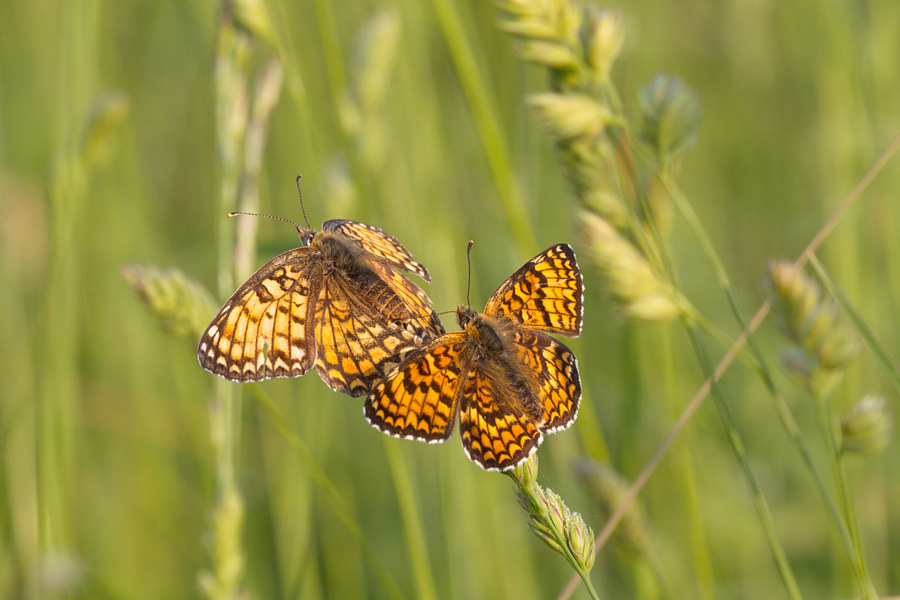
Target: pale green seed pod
(580, 539)
(671, 116)
(867, 428)
(525, 473)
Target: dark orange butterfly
(338, 302)
(508, 380)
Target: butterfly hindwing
(261, 331)
(496, 426)
(545, 294)
(555, 371)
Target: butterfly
(338, 302)
(506, 379)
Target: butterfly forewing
(379, 243)
(545, 294)
(261, 331)
(417, 400)
(413, 309)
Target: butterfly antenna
(249, 214)
(469, 277)
(302, 208)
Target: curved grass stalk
(823, 406)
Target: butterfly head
(464, 315)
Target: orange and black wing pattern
(333, 303)
(555, 371)
(498, 423)
(506, 379)
(418, 399)
(545, 294)
(375, 241)
(262, 330)
(413, 306)
(363, 328)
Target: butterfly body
(338, 302)
(505, 380)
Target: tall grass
(412, 116)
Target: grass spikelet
(224, 581)
(181, 305)
(628, 277)
(823, 344)
(603, 35)
(553, 522)
(570, 117)
(670, 117)
(867, 428)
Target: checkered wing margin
(261, 331)
(379, 243)
(417, 400)
(545, 294)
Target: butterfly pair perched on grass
(340, 303)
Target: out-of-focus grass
(107, 474)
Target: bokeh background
(411, 116)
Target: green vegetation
(128, 131)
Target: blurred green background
(107, 479)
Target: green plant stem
(327, 487)
(56, 408)
(737, 446)
(415, 537)
(487, 122)
(873, 343)
(734, 436)
(225, 581)
(829, 429)
(651, 245)
(686, 476)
